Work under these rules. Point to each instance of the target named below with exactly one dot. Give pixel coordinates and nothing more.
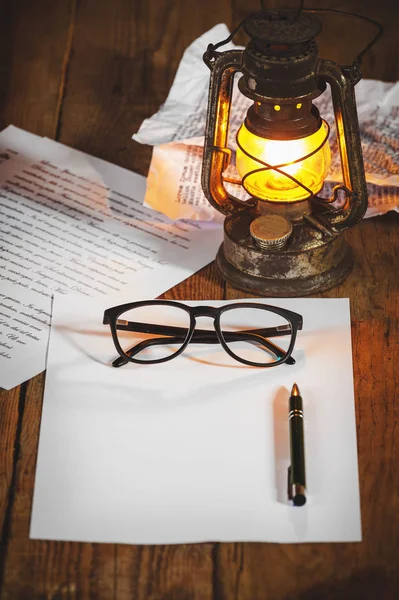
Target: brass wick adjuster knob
(270, 232)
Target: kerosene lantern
(284, 240)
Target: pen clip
(289, 484)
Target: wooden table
(86, 72)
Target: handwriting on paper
(21, 323)
(56, 238)
(64, 229)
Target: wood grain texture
(33, 54)
(88, 72)
(10, 423)
(125, 57)
(34, 39)
(32, 67)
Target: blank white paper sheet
(195, 449)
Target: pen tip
(295, 390)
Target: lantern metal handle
(216, 154)
(342, 81)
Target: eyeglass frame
(294, 319)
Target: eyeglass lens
(153, 332)
(256, 335)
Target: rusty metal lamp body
(284, 240)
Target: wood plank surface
(34, 55)
(87, 72)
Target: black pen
(296, 472)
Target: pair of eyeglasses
(156, 331)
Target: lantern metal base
(309, 263)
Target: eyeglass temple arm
(204, 337)
(170, 330)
